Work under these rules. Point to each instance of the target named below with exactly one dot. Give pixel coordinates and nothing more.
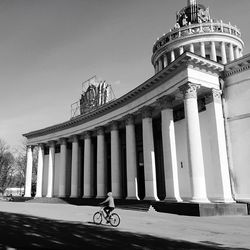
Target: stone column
(219, 145)
(88, 176)
(101, 164)
(51, 169)
(156, 68)
(223, 53)
(172, 55)
(132, 185)
(116, 175)
(149, 155)
(203, 49)
(40, 164)
(28, 174)
(191, 48)
(159, 65)
(165, 60)
(236, 52)
(181, 50)
(169, 149)
(195, 154)
(213, 51)
(63, 167)
(241, 52)
(75, 170)
(231, 52)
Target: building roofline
(186, 58)
(239, 65)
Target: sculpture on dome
(193, 13)
(184, 20)
(203, 15)
(176, 26)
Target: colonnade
(172, 185)
(228, 53)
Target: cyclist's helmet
(109, 194)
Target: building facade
(181, 136)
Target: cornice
(185, 59)
(237, 66)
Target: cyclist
(111, 205)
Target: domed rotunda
(197, 32)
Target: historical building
(181, 137)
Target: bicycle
(113, 218)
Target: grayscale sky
(49, 47)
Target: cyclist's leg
(106, 209)
(110, 209)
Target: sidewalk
(154, 230)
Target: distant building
(182, 136)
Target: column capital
(146, 112)
(165, 102)
(41, 145)
(30, 147)
(100, 130)
(75, 138)
(113, 125)
(216, 95)
(52, 143)
(129, 119)
(87, 134)
(63, 141)
(189, 90)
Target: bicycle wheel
(114, 220)
(97, 218)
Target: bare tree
(6, 166)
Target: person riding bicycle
(111, 204)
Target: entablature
(188, 67)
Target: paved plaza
(26, 225)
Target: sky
(49, 47)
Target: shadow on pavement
(28, 232)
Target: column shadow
(29, 232)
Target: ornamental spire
(191, 2)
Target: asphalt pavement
(26, 225)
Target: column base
(100, 197)
(222, 200)
(74, 196)
(173, 199)
(199, 200)
(150, 198)
(88, 196)
(117, 197)
(132, 198)
(61, 196)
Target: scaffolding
(95, 93)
